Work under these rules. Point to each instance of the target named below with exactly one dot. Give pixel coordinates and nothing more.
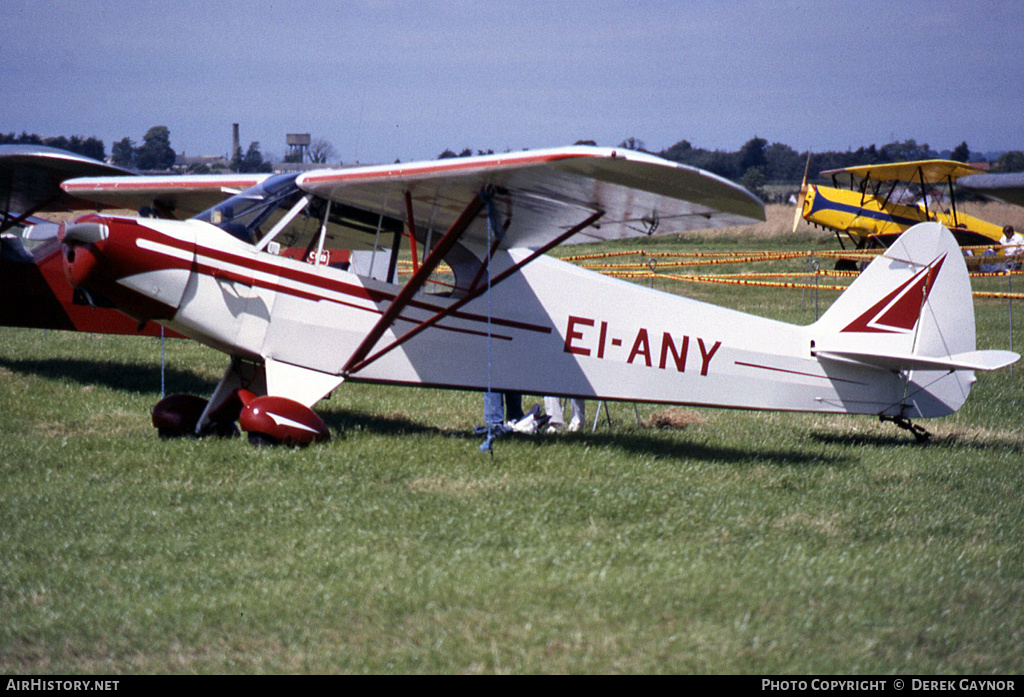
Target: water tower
(298, 146)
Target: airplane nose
(135, 267)
(83, 233)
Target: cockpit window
(244, 215)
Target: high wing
(930, 171)
(538, 195)
(30, 179)
(36, 178)
(171, 195)
(1008, 186)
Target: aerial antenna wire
(488, 445)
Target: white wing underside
(537, 194)
(540, 194)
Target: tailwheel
(921, 435)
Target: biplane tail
(911, 312)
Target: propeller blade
(802, 195)
(84, 233)
(41, 231)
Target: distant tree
(93, 147)
(155, 153)
(866, 156)
(753, 180)
(961, 153)
(321, 151)
(752, 154)
(724, 164)
(679, 152)
(59, 142)
(585, 142)
(90, 147)
(252, 161)
(905, 151)
(783, 163)
(1012, 161)
(23, 139)
(122, 153)
(633, 144)
(448, 152)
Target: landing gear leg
(920, 434)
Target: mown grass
(745, 543)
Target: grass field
(744, 543)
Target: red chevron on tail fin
(899, 311)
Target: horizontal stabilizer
(969, 360)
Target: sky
(383, 80)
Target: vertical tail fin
(911, 311)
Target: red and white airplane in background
(899, 343)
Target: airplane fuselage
(871, 219)
(552, 328)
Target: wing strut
(411, 224)
(472, 295)
(952, 200)
(419, 278)
(10, 221)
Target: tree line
(154, 153)
(90, 147)
(759, 163)
(755, 165)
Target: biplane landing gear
(920, 434)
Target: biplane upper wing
(177, 196)
(538, 195)
(931, 171)
(1008, 186)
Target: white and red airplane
(899, 344)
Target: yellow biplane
(879, 204)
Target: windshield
(244, 214)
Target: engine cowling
(270, 419)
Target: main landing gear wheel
(176, 416)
